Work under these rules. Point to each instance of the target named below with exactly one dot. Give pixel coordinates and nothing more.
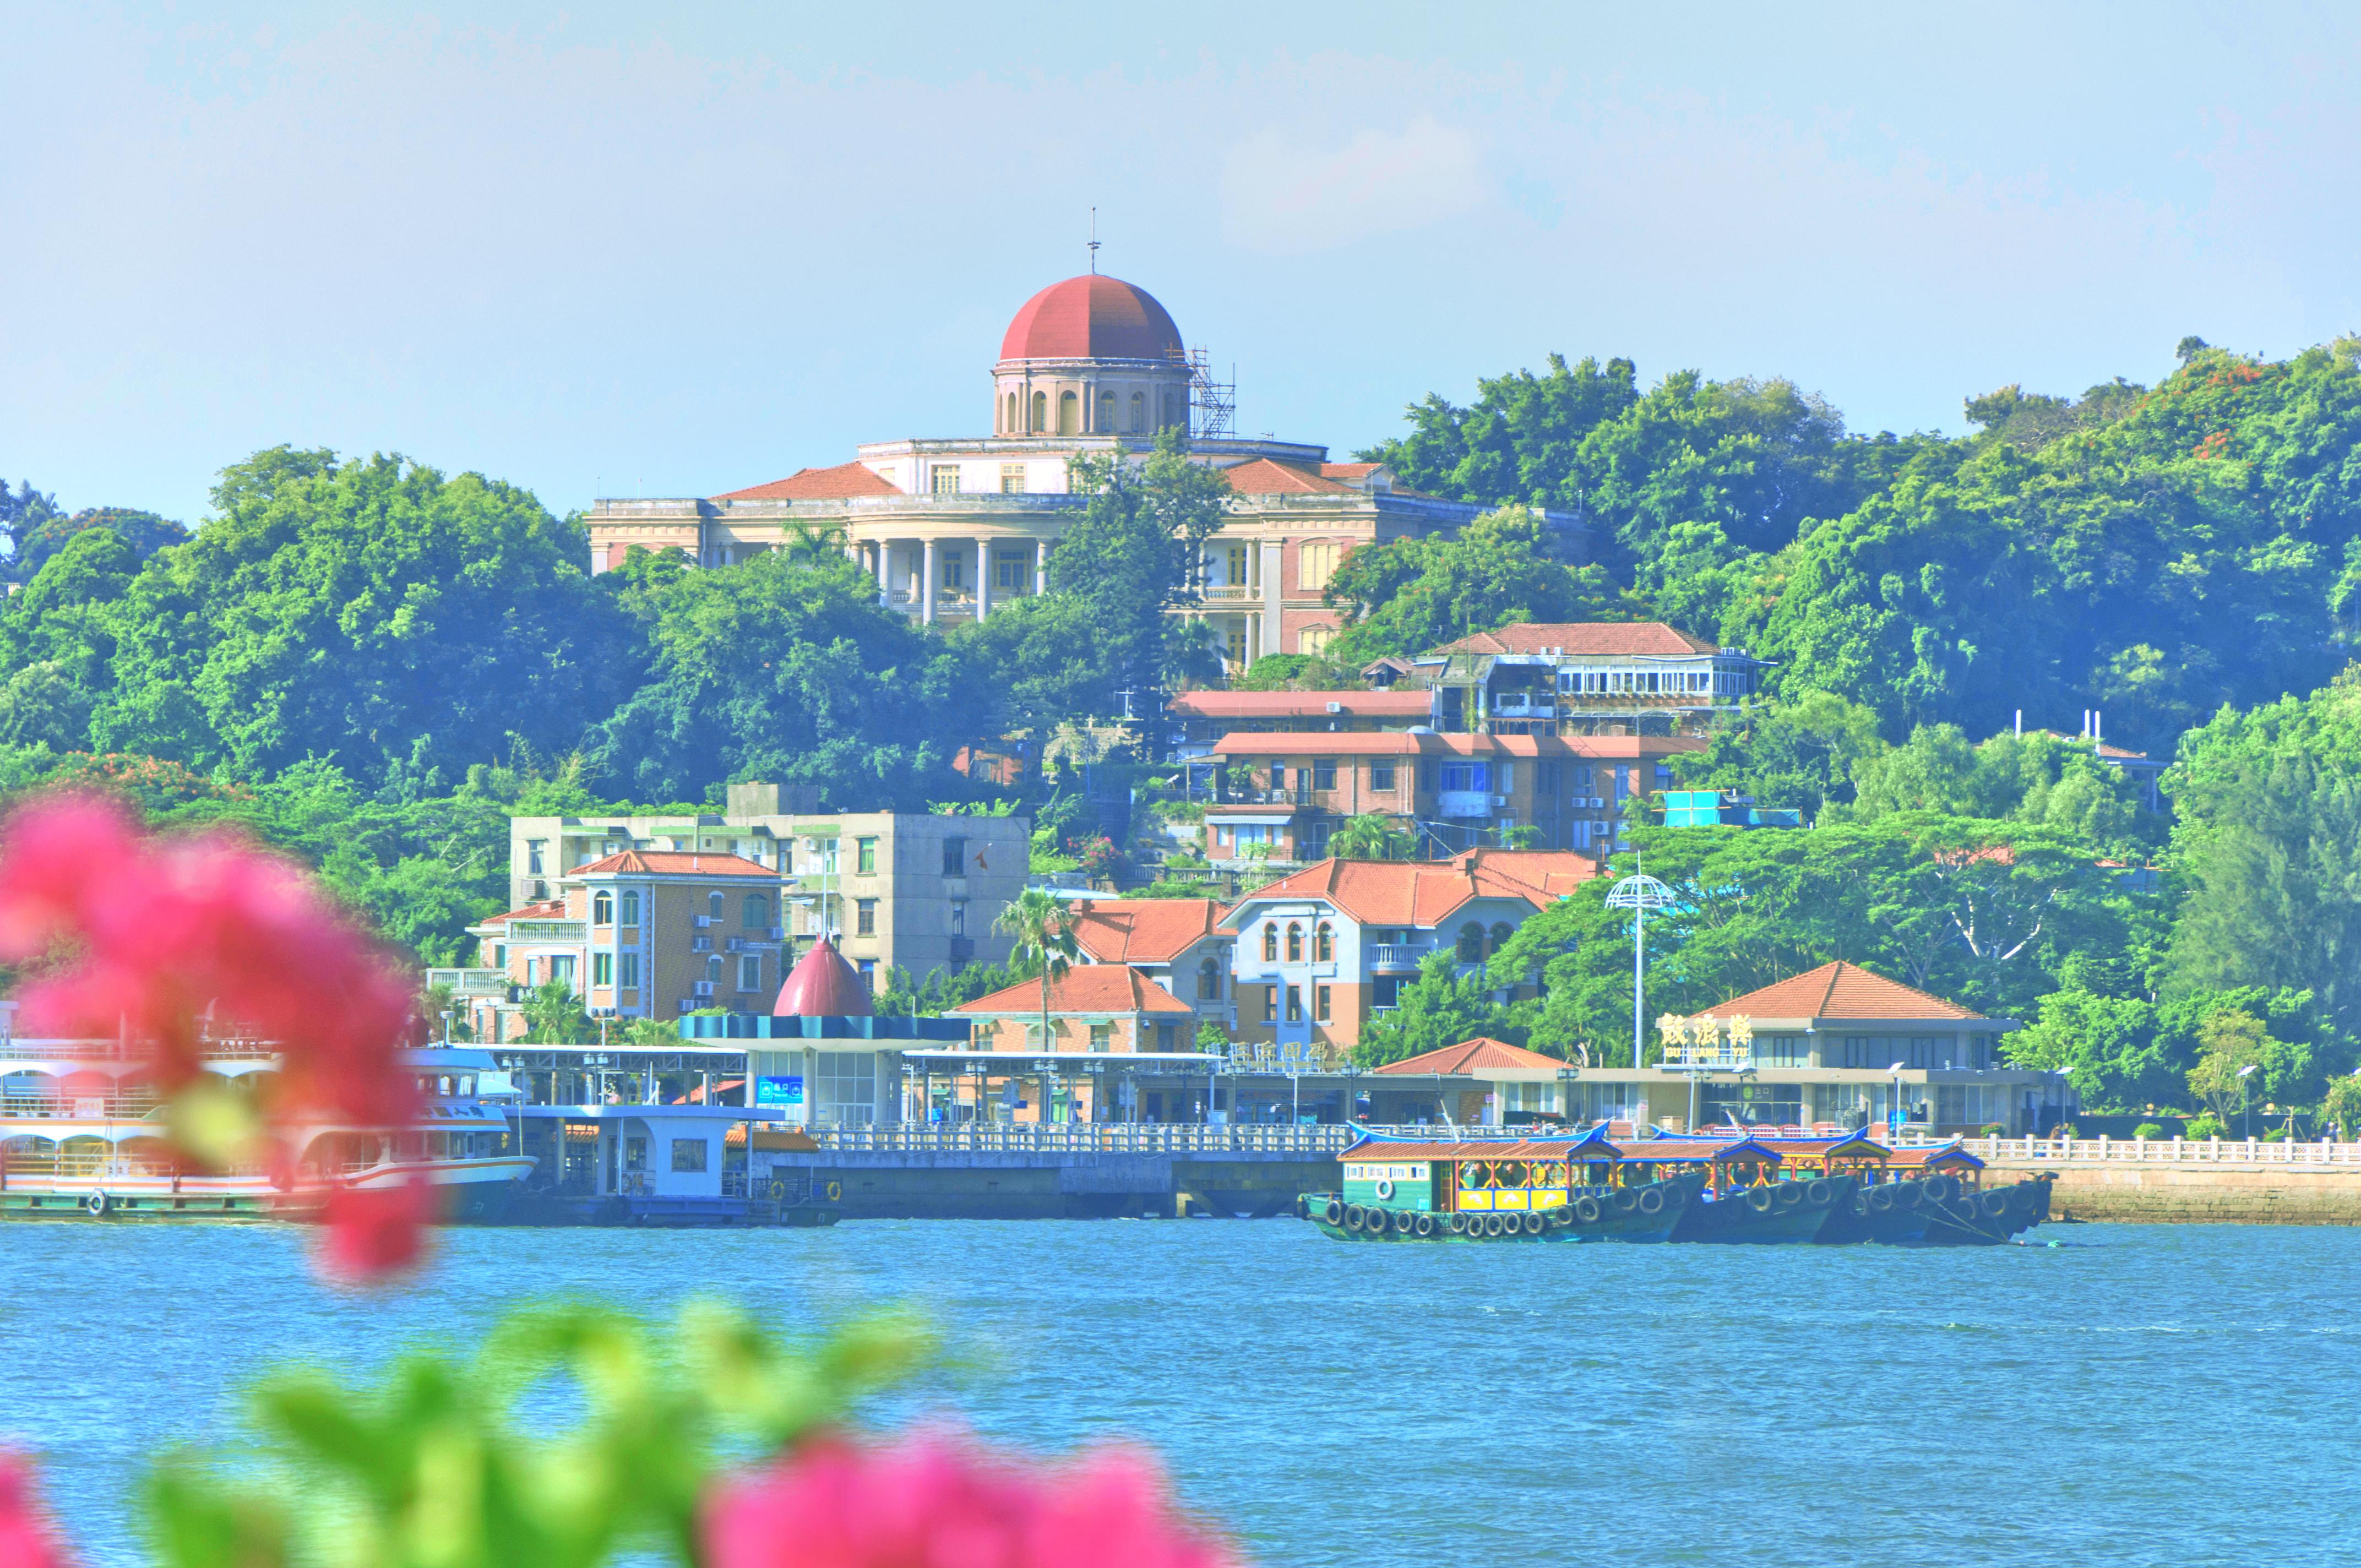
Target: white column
(982, 576)
(1040, 565)
(885, 548)
(927, 585)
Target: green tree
(1044, 931)
(350, 610)
(553, 1016)
(1134, 556)
(1371, 836)
(1415, 594)
(1439, 1008)
(782, 668)
(1800, 755)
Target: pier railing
(1089, 1137)
(2167, 1151)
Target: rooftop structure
(1584, 677)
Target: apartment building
(1176, 942)
(1322, 952)
(911, 889)
(638, 934)
(1452, 792)
(1584, 677)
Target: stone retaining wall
(2215, 1194)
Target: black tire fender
(1651, 1201)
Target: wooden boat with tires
(1961, 1211)
(1540, 1189)
(1745, 1194)
(1888, 1204)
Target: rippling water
(2134, 1394)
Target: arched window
(1208, 981)
(602, 908)
(1471, 943)
(713, 906)
(1040, 412)
(1324, 943)
(1500, 934)
(1105, 425)
(1313, 639)
(1008, 427)
(630, 909)
(713, 969)
(1294, 943)
(1139, 410)
(757, 912)
(1070, 414)
(1270, 943)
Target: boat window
(1511, 1173)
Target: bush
(1991, 1130)
(2276, 1135)
(2204, 1125)
(2148, 1130)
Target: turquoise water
(2139, 1394)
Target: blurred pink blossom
(940, 1502)
(26, 1540)
(148, 933)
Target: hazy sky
(596, 253)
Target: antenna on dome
(1094, 242)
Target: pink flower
(374, 1232)
(937, 1502)
(25, 1538)
(151, 934)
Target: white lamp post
(1639, 893)
(2246, 1100)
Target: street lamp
(2245, 1099)
(1567, 1078)
(1895, 1123)
(1639, 893)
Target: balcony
(1230, 593)
(1521, 705)
(1395, 955)
(548, 931)
(464, 982)
(1465, 803)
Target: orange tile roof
(1478, 1055)
(1303, 705)
(1399, 743)
(1838, 991)
(1264, 477)
(842, 482)
(541, 911)
(1527, 1149)
(672, 863)
(1142, 930)
(1085, 988)
(1420, 892)
(1348, 470)
(1583, 636)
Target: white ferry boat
(80, 1137)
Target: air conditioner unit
(778, 933)
(737, 944)
(700, 944)
(702, 922)
(704, 988)
(687, 1006)
(1335, 708)
(1499, 801)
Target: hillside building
(1583, 678)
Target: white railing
(1087, 1137)
(1395, 955)
(1227, 593)
(2164, 1151)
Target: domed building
(951, 528)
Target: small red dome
(822, 985)
(1092, 317)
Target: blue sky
(597, 252)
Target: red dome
(1092, 317)
(822, 985)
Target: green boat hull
(1573, 1222)
(1789, 1211)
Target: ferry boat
(1931, 1195)
(80, 1138)
(1533, 1189)
(1748, 1196)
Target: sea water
(2130, 1394)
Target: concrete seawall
(2219, 1191)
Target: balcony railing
(548, 931)
(471, 982)
(1229, 593)
(1395, 955)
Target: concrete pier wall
(2219, 1193)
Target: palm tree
(1044, 929)
(1370, 837)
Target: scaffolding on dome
(1212, 405)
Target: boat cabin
(1477, 1176)
(1726, 1164)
